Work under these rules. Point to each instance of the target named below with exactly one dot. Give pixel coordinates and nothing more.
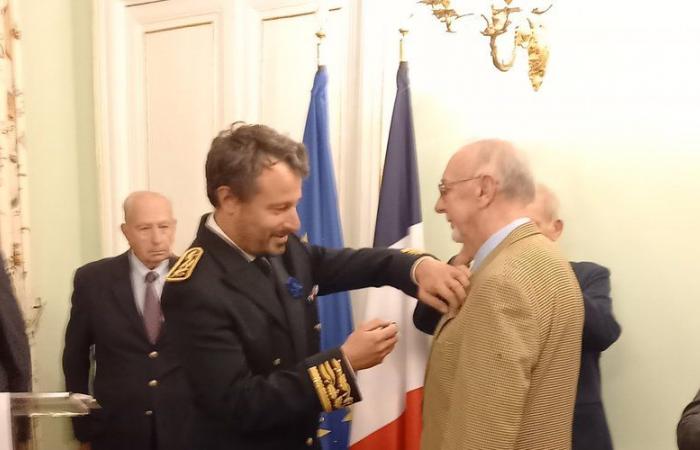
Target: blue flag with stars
(320, 223)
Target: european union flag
(318, 211)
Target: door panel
(180, 84)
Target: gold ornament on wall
(527, 36)
(443, 11)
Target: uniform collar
(216, 229)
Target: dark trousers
(590, 430)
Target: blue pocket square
(294, 287)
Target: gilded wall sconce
(443, 11)
(527, 35)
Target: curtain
(14, 218)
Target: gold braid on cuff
(331, 385)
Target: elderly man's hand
(442, 286)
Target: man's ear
(123, 228)
(226, 199)
(557, 228)
(488, 188)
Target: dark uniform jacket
(15, 359)
(250, 343)
(141, 387)
(600, 330)
(15, 365)
(688, 430)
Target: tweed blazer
(502, 373)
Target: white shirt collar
(495, 239)
(138, 268)
(216, 229)
(137, 274)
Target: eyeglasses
(445, 186)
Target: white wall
(56, 41)
(614, 131)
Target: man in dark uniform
(688, 429)
(15, 360)
(600, 329)
(116, 313)
(241, 302)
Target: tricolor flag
(389, 416)
(318, 211)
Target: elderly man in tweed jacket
(502, 371)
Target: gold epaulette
(184, 266)
(413, 251)
(331, 385)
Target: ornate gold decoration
(331, 385)
(184, 266)
(498, 24)
(320, 390)
(443, 11)
(495, 27)
(538, 53)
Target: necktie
(264, 265)
(152, 316)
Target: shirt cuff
(415, 266)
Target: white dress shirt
(495, 239)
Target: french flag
(389, 416)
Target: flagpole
(402, 51)
(320, 34)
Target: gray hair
(550, 201)
(509, 167)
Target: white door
(171, 73)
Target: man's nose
(157, 235)
(293, 220)
(439, 205)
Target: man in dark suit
(600, 329)
(241, 302)
(688, 430)
(116, 314)
(15, 360)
